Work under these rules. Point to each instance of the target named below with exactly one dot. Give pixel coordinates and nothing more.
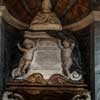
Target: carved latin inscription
(46, 59)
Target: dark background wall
(9, 54)
(84, 40)
(1, 54)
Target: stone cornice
(10, 19)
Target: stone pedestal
(49, 92)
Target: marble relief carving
(45, 56)
(47, 60)
(46, 19)
(48, 64)
(28, 55)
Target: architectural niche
(46, 67)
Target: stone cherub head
(28, 43)
(68, 43)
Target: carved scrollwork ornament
(11, 96)
(84, 96)
(75, 76)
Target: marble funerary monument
(46, 61)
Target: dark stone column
(1, 54)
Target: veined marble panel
(97, 60)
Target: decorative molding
(96, 15)
(93, 16)
(10, 19)
(80, 24)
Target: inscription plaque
(47, 60)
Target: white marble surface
(46, 60)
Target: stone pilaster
(97, 60)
